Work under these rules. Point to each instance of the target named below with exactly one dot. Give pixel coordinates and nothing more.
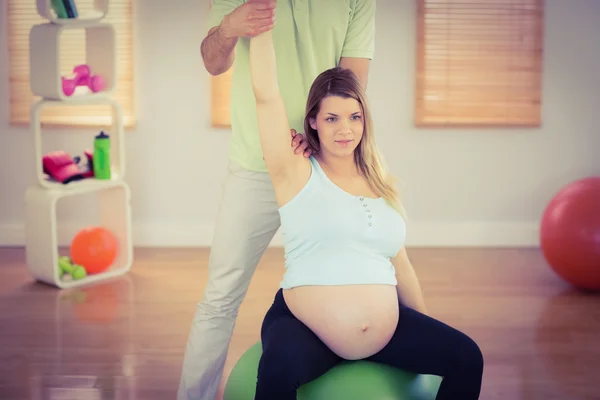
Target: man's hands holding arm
(250, 19)
(246, 20)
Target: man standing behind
(310, 36)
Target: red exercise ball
(570, 233)
(95, 248)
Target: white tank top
(334, 238)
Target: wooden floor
(125, 339)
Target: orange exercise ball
(570, 233)
(95, 248)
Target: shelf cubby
(42, 234)
(45, 59)
(116, 133)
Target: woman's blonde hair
(367, 156)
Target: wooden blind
(22, 15)
(220, 99)
(479, 62)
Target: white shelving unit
(42, 198)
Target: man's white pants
(247, 221)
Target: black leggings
(293, 355)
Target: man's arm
(359, 46)
(360, 67)
(217, 51)
(409, 290)
(230, 20)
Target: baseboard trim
(427, 234)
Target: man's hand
(299, 144)
(249, 19)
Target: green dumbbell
(66, 267)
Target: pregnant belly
(354, 321)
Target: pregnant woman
(349, 290)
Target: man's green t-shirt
(310, 36)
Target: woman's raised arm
(273, 124)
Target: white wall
(462, 186)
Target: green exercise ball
(349, 380)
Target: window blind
(479, 62)
(220, 96)
(220, 99)
(22, 15)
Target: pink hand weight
(68, 86)
(96, 83)
(82, 77)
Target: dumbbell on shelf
(65, 266)
(82, 77)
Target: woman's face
(339, 124)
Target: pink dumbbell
(82, 77)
